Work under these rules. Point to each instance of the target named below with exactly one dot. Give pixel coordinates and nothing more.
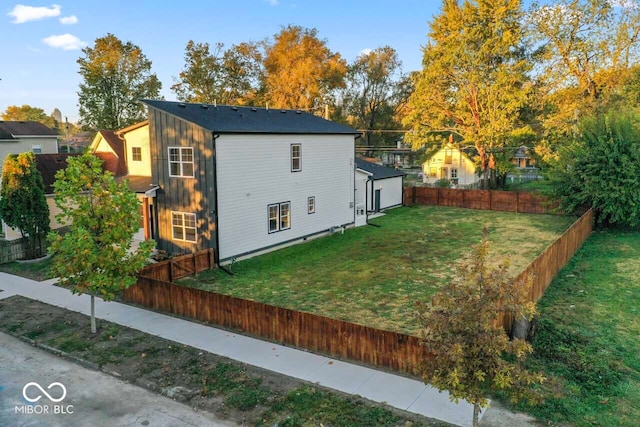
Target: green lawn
(588, 336)
(374, 276)
(37, 270)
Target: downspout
(216, 255)
(355, 166)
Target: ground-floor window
(183, 226)
(311, 205)
(279, 216)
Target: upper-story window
(36, 148)
(181, 161)
(296, 157)
(136, 154)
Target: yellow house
(126, 153)
(450, 163)
(127, 149)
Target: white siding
(460, 161)
(390, 191)
(254, 171)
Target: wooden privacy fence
(506, 201)
(544, 268)
(375, 347)
(179, 267)
(320, 334)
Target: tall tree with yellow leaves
(300, 70)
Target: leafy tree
(116, 76)
(600, 169)
(22, 200)
(467, 351)
(96, 255)
(225, 77)
(300, 70)
(27, 113)
(474, 79)
(376, 91)
(586, 50)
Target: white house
(377, 188)
(245, 180)
(452, 164)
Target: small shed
(377, 188)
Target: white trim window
(454, 173)
(36, 148)
(296, 157)
(279, 216)
(181, 162)
(136, 154)
(183, 226)
(311, 205)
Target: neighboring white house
(245, 180)
(19, 137)
(377, 188)
(450, 163)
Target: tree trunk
(93, 315)
(476, 413)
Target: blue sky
(39, 55)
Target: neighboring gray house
(19, 137)
(244, 180)
(377, 188)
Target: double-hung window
(311, 205)
(279, 216)
(136, 154)
(183, 226)
(296, 157)
(181, 162)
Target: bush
(600, 169)
(442, 183)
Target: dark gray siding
(191, 195)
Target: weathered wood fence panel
(11, 250)
(386, 349)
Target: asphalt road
(81, 397)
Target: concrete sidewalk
(395, 390)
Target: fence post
(490, 200)
(195, 266)
(170, 271)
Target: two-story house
(19, 137)
(244, 180)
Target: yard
(588, 335)
(374, 275)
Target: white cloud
(365, 52)
(22, 13)
(64, 42)
(272, 2)
(69, 20)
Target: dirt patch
(230, 389)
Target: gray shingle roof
(25, 128)
(228, 119)
(379, 172)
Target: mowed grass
(588, 335)
(374, 275)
